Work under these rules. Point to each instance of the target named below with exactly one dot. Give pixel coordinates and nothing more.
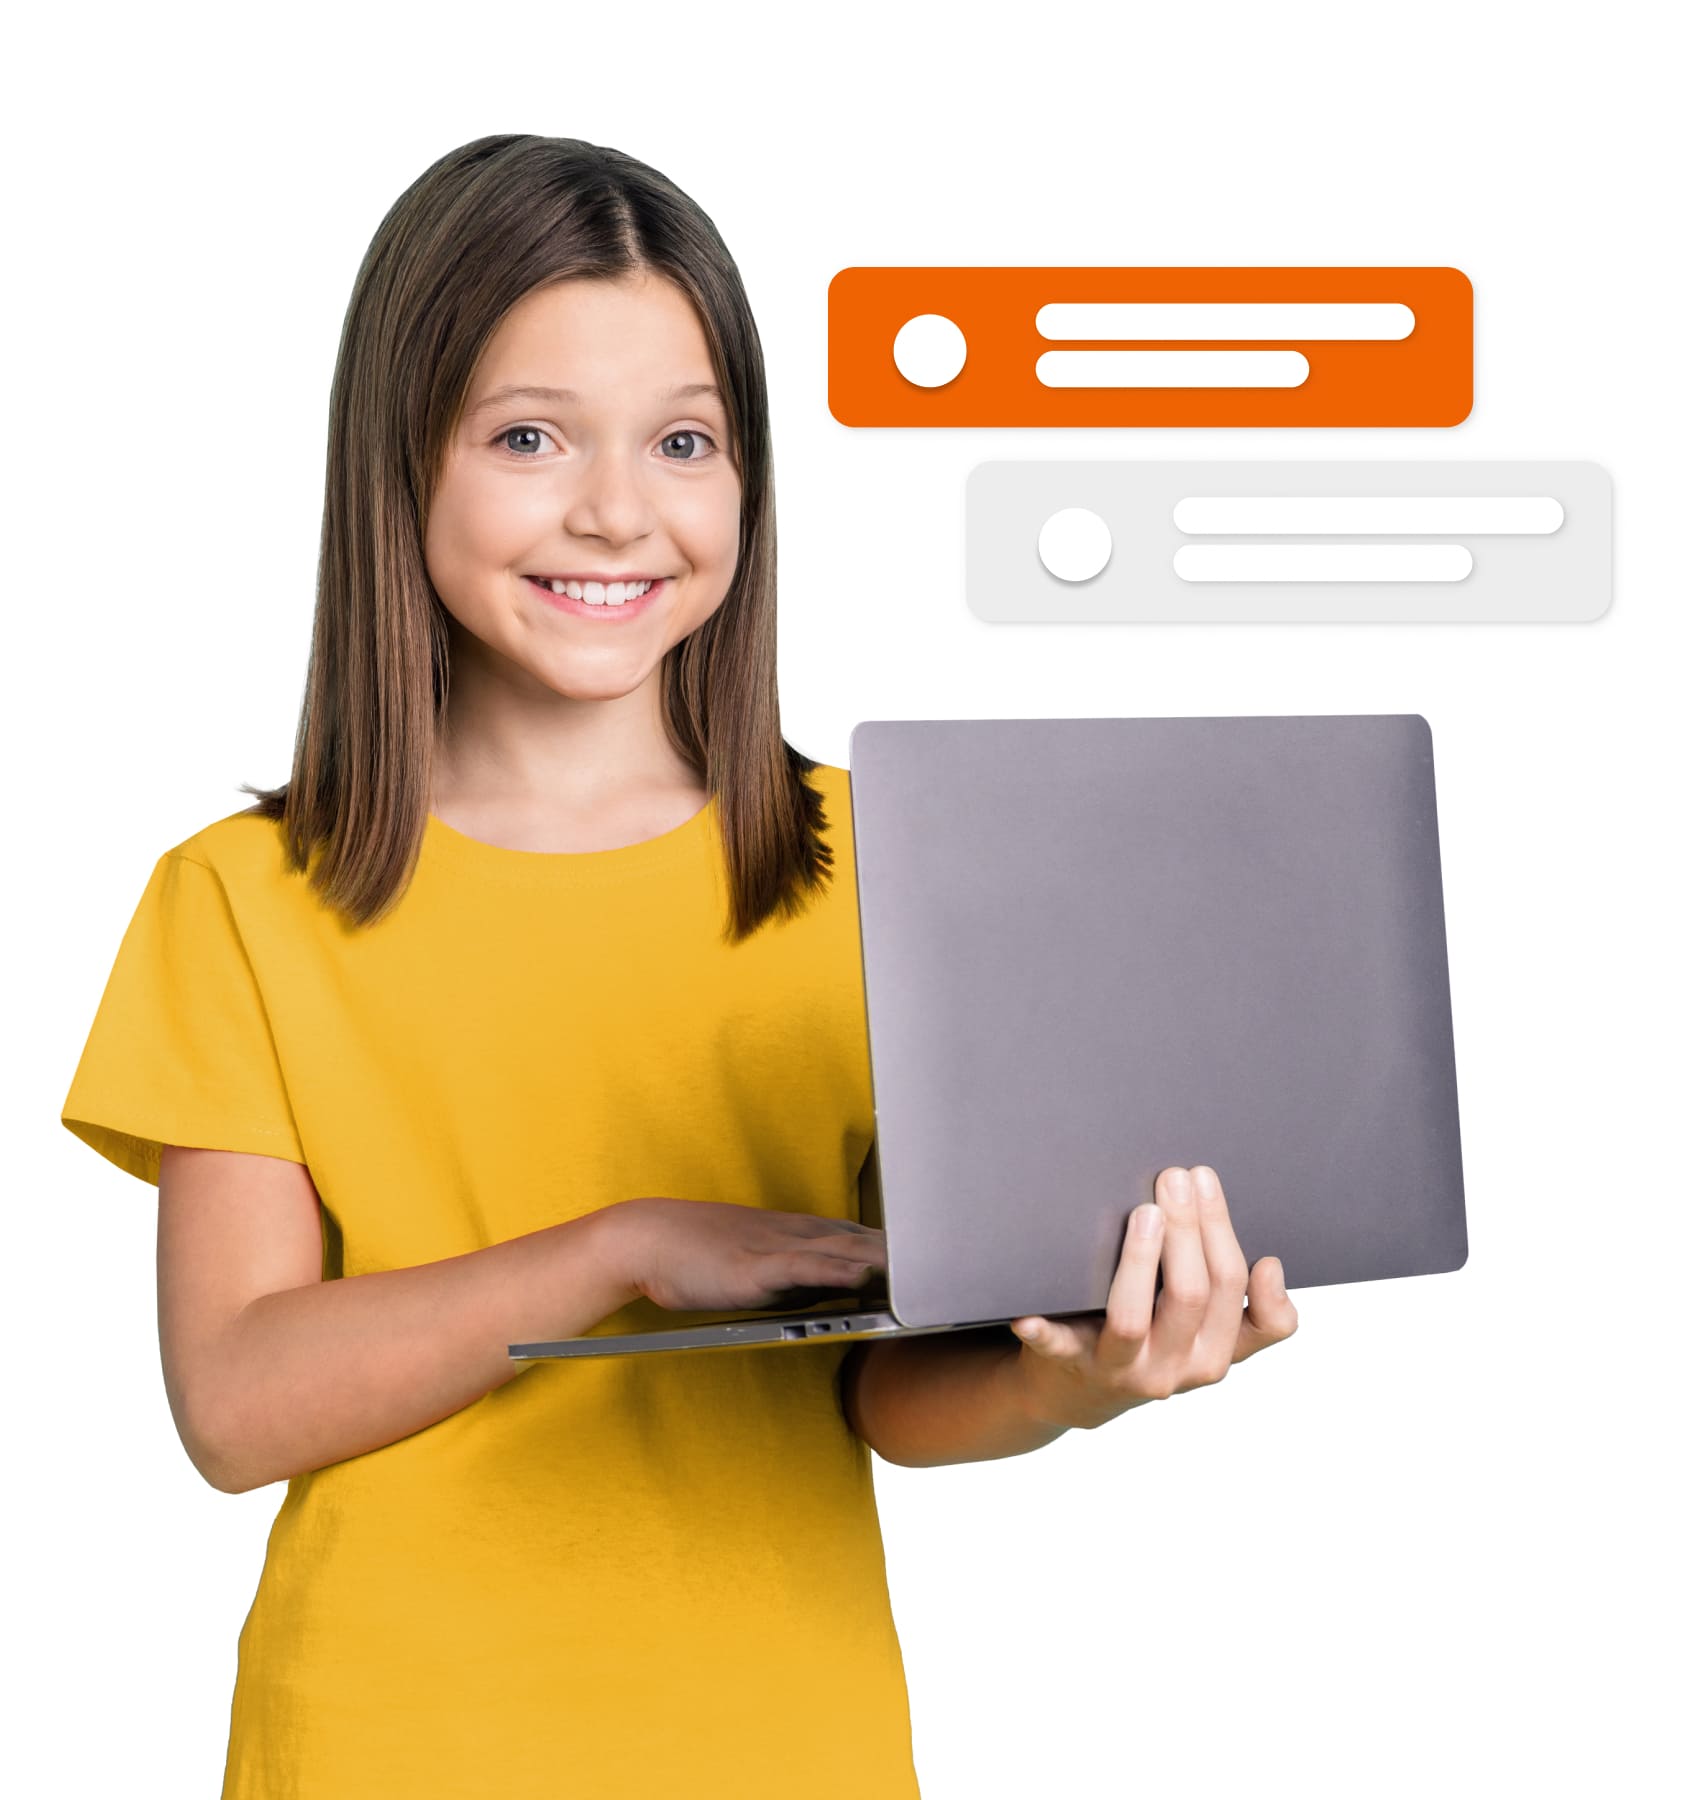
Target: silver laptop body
(1095, 948)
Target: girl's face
(625, 470)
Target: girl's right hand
(692, 1255)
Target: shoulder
(245, 850)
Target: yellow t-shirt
(659, 1575)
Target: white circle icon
(1075, 544)
(929, 350)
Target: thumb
(1051, 1338)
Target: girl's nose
(608, 501)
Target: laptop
(1096, 948)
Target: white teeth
(598, 593)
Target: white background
(1435, 1539)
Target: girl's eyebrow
(501, 396)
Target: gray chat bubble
(1288, 542)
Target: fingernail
(1281, 1294)
(1149, 1219)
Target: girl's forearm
(946, 1398)
(312, 1375)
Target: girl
(531, 1006)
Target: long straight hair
(478, 231)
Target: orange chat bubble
(1100, 347)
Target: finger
(811, 1268)
(815, 1225)
(825, 1240)
(797, 1224)
(1183, 1300)
(854, 1252)
(1059, 1340)
(1271, 1314)
(1226, 1269)
(1130, 1304)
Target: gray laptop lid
(1094, 948)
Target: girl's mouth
(608, 610)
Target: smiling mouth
(595, 599)
(598, 593)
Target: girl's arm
(271, 1371)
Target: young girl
(531, 1006)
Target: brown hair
(479, 230)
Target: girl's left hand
(1081, 1372)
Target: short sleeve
(181, 1050)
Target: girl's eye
(674, 437)
(533, 433)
